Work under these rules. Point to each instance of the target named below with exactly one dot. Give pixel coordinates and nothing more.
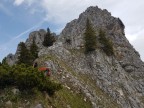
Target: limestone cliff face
(119, 76)
(107, 81)
(38, 36)
(114, 28)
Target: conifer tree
(25, 56)
(90, 38)
(48, 39)
(107, 46)
(34, 50)
(4, 62)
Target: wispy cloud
(9, 46)
(18, 2)
(4, 46)
(28, 2)
(28, 30)
(5, 10)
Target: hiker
(35, 65)
(45, 70)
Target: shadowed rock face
(118, 77)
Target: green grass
(61, 99)
(65, 97)
(21, 99)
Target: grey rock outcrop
(11, 59)
(38, 106)
(119, 76)
(114, 28)
(37, 36)
(8, 104)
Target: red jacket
(46, 70)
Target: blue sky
(17, 21)
(19, 17)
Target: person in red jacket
(45, 70)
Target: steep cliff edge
(107, 81)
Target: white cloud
(18, 2)
(138, 43)
(28, 2)
(131, 38)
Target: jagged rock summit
(114, 28)
(115, 81)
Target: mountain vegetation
(27, 56)
(48, 39)
(106, 46)
(26, 78)
(23, 86)
(89, 37)
(4, 62)
(34, 50)
(24, 55)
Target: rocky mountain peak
(100, 19)
(111, 79)
(114, 29)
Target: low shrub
(26, 78)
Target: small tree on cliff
(4, 62)
(89, 37)
(25, 55)
(48, 39)
(107, 46)
(34, 50)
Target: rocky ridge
(102, 79)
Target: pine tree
(90, 38)
(34, 50)
(48, 39)
(107, 46)
(25, 56)
(4, 62)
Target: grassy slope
(105, 101)
(62, 99)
